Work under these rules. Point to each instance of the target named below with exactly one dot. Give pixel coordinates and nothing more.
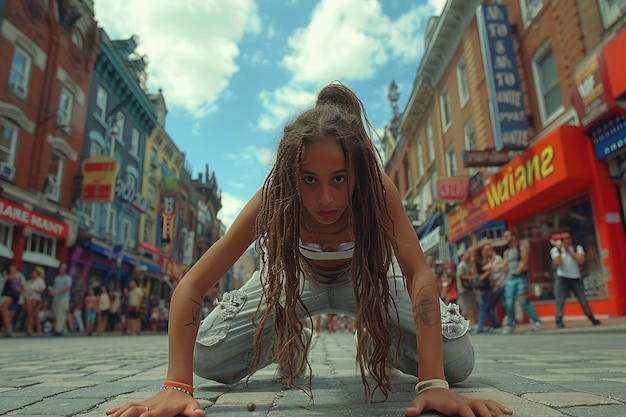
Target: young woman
(331, 231)
(33, 291)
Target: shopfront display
(556, 185)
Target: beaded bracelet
(429, 384)
(178, 386)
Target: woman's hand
(450, 403)
(165, 403)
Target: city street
(577, 371)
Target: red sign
(468, 216)
(590, 98)
(452, 189)
(99, 174)
(25, 217)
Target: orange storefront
(555, 185)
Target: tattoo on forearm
(426, 308)
(195, 314)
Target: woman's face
(324, 181)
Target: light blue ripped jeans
(224, 349)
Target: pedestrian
(11, 288)
(33, 291)
(104, 307)
(568, 260)
(329, 225)
(466, 298)
(91, 311)
(516, 285)
(60, 293)
(492, 295)
(135, 299)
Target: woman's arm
(422, 288)
(186, 305)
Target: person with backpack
(516, 285)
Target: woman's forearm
(184, 322)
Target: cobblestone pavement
(577, 371)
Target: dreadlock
(338, 113)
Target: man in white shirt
(568, 259)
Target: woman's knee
(458, 359)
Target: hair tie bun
(341, 96)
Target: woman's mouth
(327, 214)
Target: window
(101, 103)
(547, 84)
(469, 136)
(6, 235)
(41, 244)
(95, 149)
(451, 168)
(611, 11)
(111, 225)
(446, 112)
(55, 176)
(147, 231)
(420, 159)
(430, 140)
(151, 195)
(461, 79)
(134, 143)
(77, 39)
(117, 128)
(20, 73)
(131, 181)
(126, 230)
(529, 9)
(8, 144)
(64, 114)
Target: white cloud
(231, 206)
(281, 104)
(191, 45)
(263, 156)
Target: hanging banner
(99, 176)
(167, 224)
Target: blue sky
(233, 72)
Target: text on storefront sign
(29, 218)
(519, 178)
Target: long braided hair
(338, 113)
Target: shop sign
(175, 270)
(526, 171)
(615, 62)
(128, 194)
(99, 174)
(468, 217)
(28, 218)
(609, 137)
(475, 183)
(506, 101)
(486, 158)
(452, 189)
(431, 239)
(590, 98)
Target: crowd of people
(33, 307)
(489, 287)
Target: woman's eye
(339, 179)
(308, 180)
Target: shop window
(6, 234)
(127, 230)
(41, 244)
(461, 78)
(578, 219)
(20, 73)
(611, 11)
(547, 84)
(77, 39)
(111, 225)
(444, 107)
